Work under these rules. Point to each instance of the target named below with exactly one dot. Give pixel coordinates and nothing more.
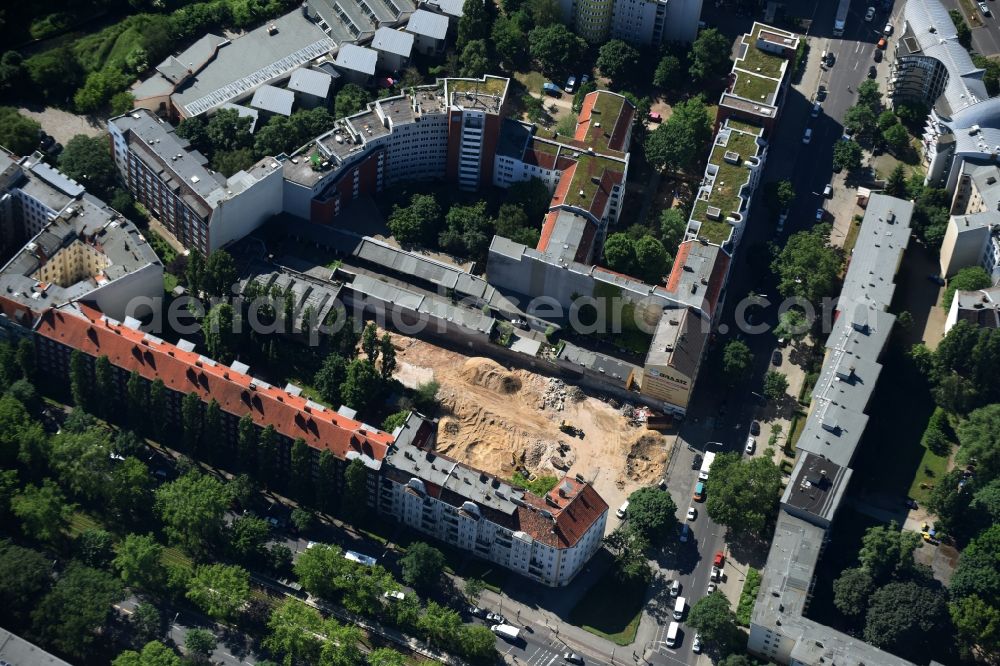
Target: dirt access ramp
(501, 421)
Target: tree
(82, 462)
(389, 657)
(301, 477)
(80, 603)
(886, 119)
(317, 569)
(11, 73)
(651, 513)
(79, 380)
(680, 142)
(970, 278)
(139, 562)
(362, 385)
(147, 622)
(936, 435)
(869, 95)
(220, 337)
(510, 40)
(193, 129)
(417, 223)
(736, 360)
(852, 589)
(619, 253)
(628, 547)
(791, 324)
(978, 571)
(861, 119)
(477, 643)
(341, 645)
(779, 195)
(330, 377)
(775, 385)
(94, 547)
(714, 620)
(617, 60)
(808, 266)
(43, 511)
(55, 73)
(652, 260)
(709, 55)
(194, 273)
(136, 397)
(267, 442)
(439, 624)
(475, 24)
(886, 551)
(736, 659)
(351, 99)
(192, 508)
(191, 421)
(326, 490)
(228, 162)
(897, 137)
(356, 490)
(531, 195)
(847, 155)
(369, 341)
(977, 623)
(220, 590)
(200, 643)
(98, 89)
(475, 59)
(979, 439)
(422, 567)
(246, 443)
(904, 617)
(895, 185)
(388, 365)
(19, 134)
(154, 653)
(220, 274)
(87, 160)
(25, 575)
(668, 72)
(555, 48)
(467, 231)
(227, 130)
(294, 630)
(247, 536)
(473, 588)
(673, 225)
(744, 494)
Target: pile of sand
(490, 375)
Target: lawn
(755, 88)
(852, 237)
(611, 608)
(532, 80)
(932, 467)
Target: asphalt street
(985, 38)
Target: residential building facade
(639, 22)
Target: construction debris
(555, 395)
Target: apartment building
(780, 630)
(932, 68)
(202, 209)
(446, 131)
(546, 539)
(32, 194)
(639, 22)
(980, 307)
(972, 237)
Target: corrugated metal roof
(311, 82)
(357, 58)
(275, 100)
(428, 24)
(393, 41)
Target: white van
(672, 634)
(622, 510)
(679, 608)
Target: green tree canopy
(351, 99)
(680, 142)
(475, 59)
(556, 48)
(977, 623)
(43, 511)
(25, 575)
(775, 385)
(330, 377)
(362, 385)
(200, 643)
(886, 551)
(736, 360)
(673, 225)
(905, 618)
(139, 562)
(979, 437)
(418, 222)
(715, 620)
(969, 278)
(978, 571)
(87, 160)
(220, 590)
(79, 604)
(852, 589)
(861, 119)
(617, 60)
(220, 334)
(652, 513)
(191, 509)
(847, 155)
(668, 72)
(220, 274)
(808, 266)
(619, 253)
(709, 55)
(652, 260)
(153, 653)
(744, 494)
(227, 130)
(422, 566)
(294, 630)
(897, 137)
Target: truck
(506, 631)
(706, 464)
(841, 20)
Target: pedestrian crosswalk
(545, 655)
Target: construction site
(507, 421)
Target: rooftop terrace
(723, 191)
(760, 61)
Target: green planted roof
(729, 180)
(758, 61)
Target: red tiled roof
(678, 269)
(17, 312)
(184, 372)
(540, 158)
(559, 196)
(575, 512)
(547, 227)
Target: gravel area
(63, 125)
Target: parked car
(699, 492)
(696, 463)
(751, 446)
(888, 29)
(984, 9)
(870, 15)
(692, 513)
(551, 89)
(817, 107)
(571, 84)
(830, 59)
(696, 644)
(685, 533)
(882, 43)
(821, 93)
(755, 428)
(496, 617)
(776, 357)
(820, 213)
(781, 222)
(872, 72)
(573, 658)
(719, 560)
(807, 137)
(828, 191)
(584, 79)
(936, 279)
(675, 588)
(877, 55)
(476, 611)
(711, 587)
(654, 117)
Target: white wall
(114, 297)
(236, 217)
